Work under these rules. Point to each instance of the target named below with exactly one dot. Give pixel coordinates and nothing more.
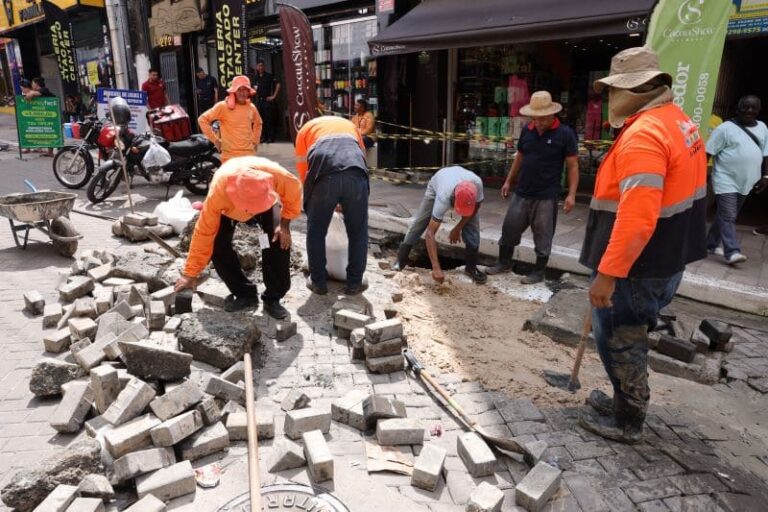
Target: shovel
(571, 382)
(498, 442)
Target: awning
(441, 24)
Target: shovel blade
(562, 381)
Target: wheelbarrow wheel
(63, 227)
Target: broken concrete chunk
(34, 302)
(96, 486)
(167, 483)
(152, 362)
(73, 408)
(537, 487)
(51, 315)
(205, 442)
(295, 399)
(218, 339)
(49, 375)
(286, 455)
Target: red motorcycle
(73, 165)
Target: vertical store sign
(229, 20)
(299, 65)
(688, 36)
(63, 44)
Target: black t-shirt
(205, 88)
(543, 160)
(45, 92)
(265, 84)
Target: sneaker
(316, 289)
(717, 251)
(476, 274)
(356, 290)
(232, 303)
(735, 258)
(274, 309)
(600, 402)
(608, 427)
(763, 230)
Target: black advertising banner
(229, 20)
(63, 44)
(299, 65)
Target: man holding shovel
(646, 222)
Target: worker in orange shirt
(330, 159)
(646, 223)
(239, 121)
(255, 191)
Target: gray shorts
(538, 214)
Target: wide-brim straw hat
(631, 68)
(541, 105)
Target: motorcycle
(73, 165)
(193, 162)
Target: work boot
(315, 288)
(356, 290)
(537, 275)
(600, 402)
(402, 257)
(504, 263)
(232, 303)
(611, 428)
(274, 309)
(471, 267)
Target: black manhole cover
(288, 497)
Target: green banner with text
(39, 122)
(688, 36)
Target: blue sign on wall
(749, 18)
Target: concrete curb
(749, 299)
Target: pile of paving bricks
(135, 226)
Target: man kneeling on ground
(454, 187)
(251, 190)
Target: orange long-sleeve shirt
(239, 128)
(217, 203)
(316, 129)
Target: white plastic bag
(336, 248)
(177, 212)
(156, 156)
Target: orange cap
(252, 191)
(465, 199)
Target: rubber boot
(504, 264)
(402, 257)
(471, 267)
(537, 275)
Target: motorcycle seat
(193, 146)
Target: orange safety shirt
(239, 128)
(647, 216)
(320, 128)
(217, 203)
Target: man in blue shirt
(544, 147)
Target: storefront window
(344, 69)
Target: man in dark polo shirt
(267, 89)
(545, 146)
(206, 89)
(157, 96)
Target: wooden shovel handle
(253, 444)
(582, 345)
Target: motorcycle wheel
(73, 166)
(104, 184)
(201, 174)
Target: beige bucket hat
(632, 67)
(541, 104)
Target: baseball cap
(252, 191)
(465, 198)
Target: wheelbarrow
(48, 212)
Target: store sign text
(62, 48)
(229, 44)
(299, 57)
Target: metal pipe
(116, 27)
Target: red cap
(252, 191)
(465, 199)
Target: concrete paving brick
(318, 456)
(209, 410)
(183, 302)
(651, 490)
(178, 400)
(147, 504)
(58, 500)
(96, 486)
(237, 426)
(105, 385)
(299, 421)
(350, 320)
(376, 407)
(234, 373)
(521, 409)
(476, 455)
(616, 500)
(383, 349)
(485, 498)
(223, 389)
(176, 429)
(52, 313)
(538, 486)
(586, 495)
(399, 431)
(349, 409)
(286, 455)
(387, 364)
(131, 436)
(85, 307)
(86, 505)
(205, 442)
(34, 302)
(57, 341)
(165, 295)
(156, 315)
(73, 408)
(172, 325)
(357, 338)
(699, 483)
(295, 399)
(168, 483)
(100, 273)
(588, 450)
(384, 330)
(284, 331)
(138, 463)
(131, 402)
(75, 288)
(428, 467)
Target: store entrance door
(169, 70)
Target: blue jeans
(350, 190)
(470, 234)
(723, 229)
(621, 336)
